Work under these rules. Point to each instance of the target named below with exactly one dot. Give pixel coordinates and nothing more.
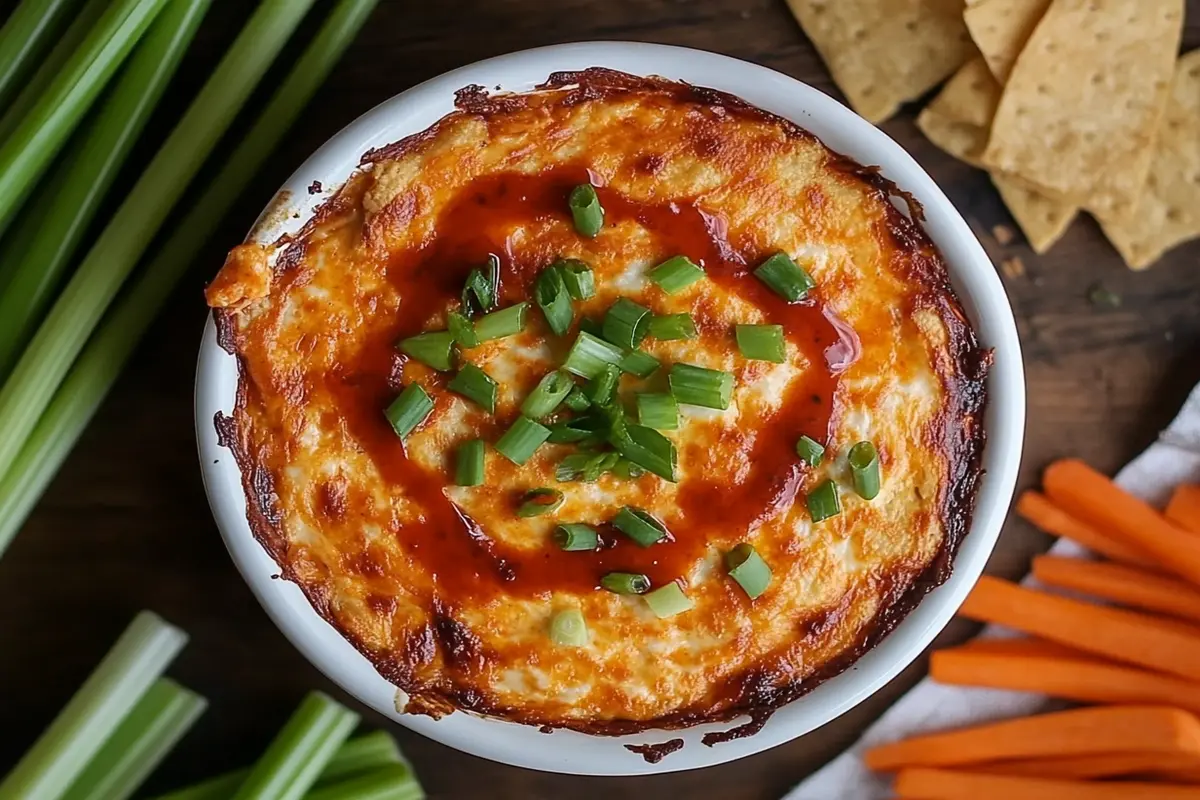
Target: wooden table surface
(126, 525)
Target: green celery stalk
(76, 401)
(299, 753)
(144, 738)
(36, 139)
(396, 782)
(80, 730)
(70, 323)
(24, 39)
(39, 252)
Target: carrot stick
(1085, 681)
(937, 784)
(1102, 729)
(1122, 584)
(1121, 635)
(1104, 765)
(1053, 520)
(1184, 508)
(1020, 646)
(1082, 491)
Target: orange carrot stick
(1122, 584)
(1082, 491)
(1121, 635)
(937, 784)
(1184, 508)
(1020, 646)
(1085, 681)
(1053, 520)
(1104, 765)
(1102, 729)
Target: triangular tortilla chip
(1000, 29)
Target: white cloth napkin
(929, 706)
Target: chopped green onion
(624, 468)
(823, 501)
(554, 300)
(626, 323)
(638, 525)
(475, 384)
(545, 397)
(540, 501)
(784, 277)
(810, 451)
(591, 326)
(393, 782)
(864, 466)
(589, 356)
(761, 342)
(470, 464)
(625, 583)
(462, 329)
(586, 210)
(579, 278)
(658, 410)
(409, 410)
(648, 449)
(643, 365)
(599, 465)
(482, 289)
(667, 601)
(747, 567)
(521, 440)
(505, 322)
(433, 349)
(299, 753)
(569, 628)
(601, 389)
(585, 467)
(580, 429)
(671, 327)
(700, 386)
(676, 274)
(576, 400)
(572, 536)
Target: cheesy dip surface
(454, 592)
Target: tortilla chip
(882, 53)
(1000, 29)
(1042, 220)
(1084, 99)
(1168, 212)
(969, 96)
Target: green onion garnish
(505, 322)
(599, 465)
(624, 468)
(670, 327)
(475, 384)
(676, 274)
(823, 501)
(569, 628)
(576, 400)
(590, 355)
(462, 329)
(579, 278)
(638, 525)
(761, 342)
(658, 410)
(585, 467)
(602, 388)
(626, 323)
(482, 289)
(747, 567)
(572, 536)
(580, 429)
(864, 465)
(554, 300)
(469, 467)
(625, 583)
(545, 397)
(409, 410)
(667, 601)
(434, 349)
(540, 501)
(809, 451)
(521, 440)
(700, 386)
(647, 448)
(785, 277)
(586, 210)
(592, 326)
(643, 365)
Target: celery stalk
(390, 783)
(165, 713)
(36, 139)
(298, 755)
(39, 252)
(70, 323)
(101, 362)
(64, 749)
(25, 36)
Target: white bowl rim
(980, 291)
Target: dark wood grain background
(126, 525)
